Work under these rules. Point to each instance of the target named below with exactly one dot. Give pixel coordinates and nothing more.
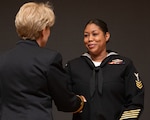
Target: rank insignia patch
(138, 82)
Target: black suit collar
(28, 41)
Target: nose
(90, 38)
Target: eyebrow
(92, 31)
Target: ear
(107, 36)
(43, 32)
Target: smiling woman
(95, 40)
(111, 85)
(128, 22)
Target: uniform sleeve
(64, 99)
(67, 68)
(134, 94)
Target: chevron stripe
(130, 114)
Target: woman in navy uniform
(31, 76)
(109, 81)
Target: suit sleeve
(67, 68)
(134, 94)
(64, 99)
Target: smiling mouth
(91, 46)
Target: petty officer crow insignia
(138, 82)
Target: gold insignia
(138, 82)
(130, 114)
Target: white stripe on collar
(89, 56)
(98, 63)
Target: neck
(99, 57)
(40, 42)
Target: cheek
(85, 43)
(85, 40)
(49, 33)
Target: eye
(95, 34)
(85, 35)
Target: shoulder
(46, 54)
(51, 52)
(78, 61)
(125, 58)
(116, 55)
(75, 60)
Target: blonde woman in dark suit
(31, 76)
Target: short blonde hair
(32, 18)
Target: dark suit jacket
(30, 77)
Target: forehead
(92, 27)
